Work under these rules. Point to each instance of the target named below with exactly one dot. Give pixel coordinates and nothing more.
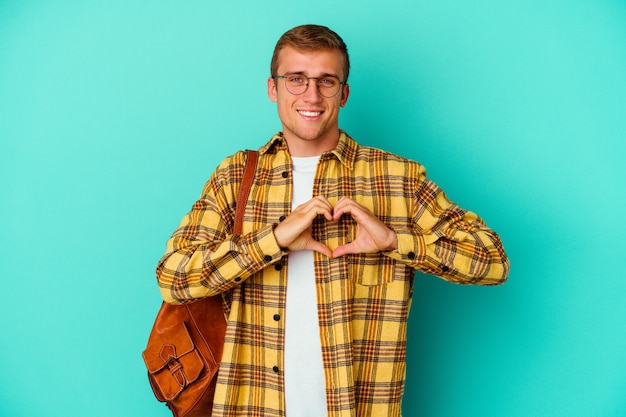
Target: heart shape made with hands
(372, 234)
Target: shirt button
(411, 255)
(285, 174)
(282, 219)
(278, 267)
(275, 369)
(276, 317)
(444, 268)
(267, 258)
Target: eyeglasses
(296, 84)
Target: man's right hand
(294, 233)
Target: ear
(345, 93)
(271, 89)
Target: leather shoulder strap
(244, 190)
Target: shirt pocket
(371, 269)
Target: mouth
(308, 113)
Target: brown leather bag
(185, 346)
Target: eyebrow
(327, 74)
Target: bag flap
(173, 362)
(172, 344)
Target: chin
(307, 135)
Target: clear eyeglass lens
(297, 84)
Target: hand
(294, 232)
(372, 235)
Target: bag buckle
(168, 355)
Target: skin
(310, 124)
(308, 135)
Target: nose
(312, 92)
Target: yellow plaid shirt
(363, 300)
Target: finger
(317, 204)
(344, 250)
(305, 213)
(321, 248)
(348, 206)
(323, 199)
(343, 201)
(323, 207)
(340, 208)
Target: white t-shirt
(305, 388)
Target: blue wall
(112, 116)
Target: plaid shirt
(363, 299)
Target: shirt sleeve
(448, 241)
(203, 257)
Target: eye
(296, 79)
(328, 82)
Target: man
(321, 277)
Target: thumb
(344, 250)
(320, 247)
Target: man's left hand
(372, 235)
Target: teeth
(310, 113)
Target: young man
(321, 277)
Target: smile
(309, 113)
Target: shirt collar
(345, 151)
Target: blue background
(113, 114)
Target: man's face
(310, 120)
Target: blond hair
(311, 38)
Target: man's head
(307, 38)
(309, 69)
